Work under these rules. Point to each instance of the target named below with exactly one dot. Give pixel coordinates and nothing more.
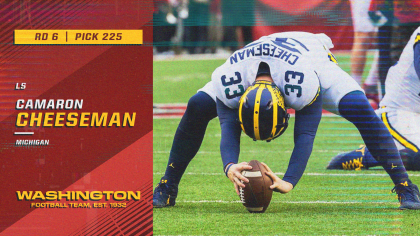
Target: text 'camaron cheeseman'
(42, 112)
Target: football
(256, 195)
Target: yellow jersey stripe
(316, 96)
(257, 112)
(332, 58)
(417, 39)
(403, 141)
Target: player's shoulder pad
(417, 37)
(325, 40)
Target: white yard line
(310, 174)
(176, 110)
(249, 151)
(290, 202)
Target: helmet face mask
(262, 113)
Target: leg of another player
(403, 126)
(370, 85)
(411, 159)
(364, 33)
(362, 159)
(187, 141)
(355, 108)
(362, 42)
(355, 160)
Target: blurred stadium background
(203, 26)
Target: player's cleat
(348, 161)
(408, 195)
(164, 195)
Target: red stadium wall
(316, 16)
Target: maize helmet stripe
(284, 120)
(275, 104)
(241, 103)
(257, 111)
(280, 130)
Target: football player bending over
(258, 82)
(399, 110)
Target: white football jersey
(402, 85)
(295, 59)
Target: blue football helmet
(262, 113)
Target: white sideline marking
(280, 173)
(249, 151)
(291, 202)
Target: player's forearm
(306, 125)
(299, 159)
(229, 144)
(231, 133)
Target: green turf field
(323, 203)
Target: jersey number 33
(233, 87)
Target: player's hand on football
(279, 185)
(235, 175)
